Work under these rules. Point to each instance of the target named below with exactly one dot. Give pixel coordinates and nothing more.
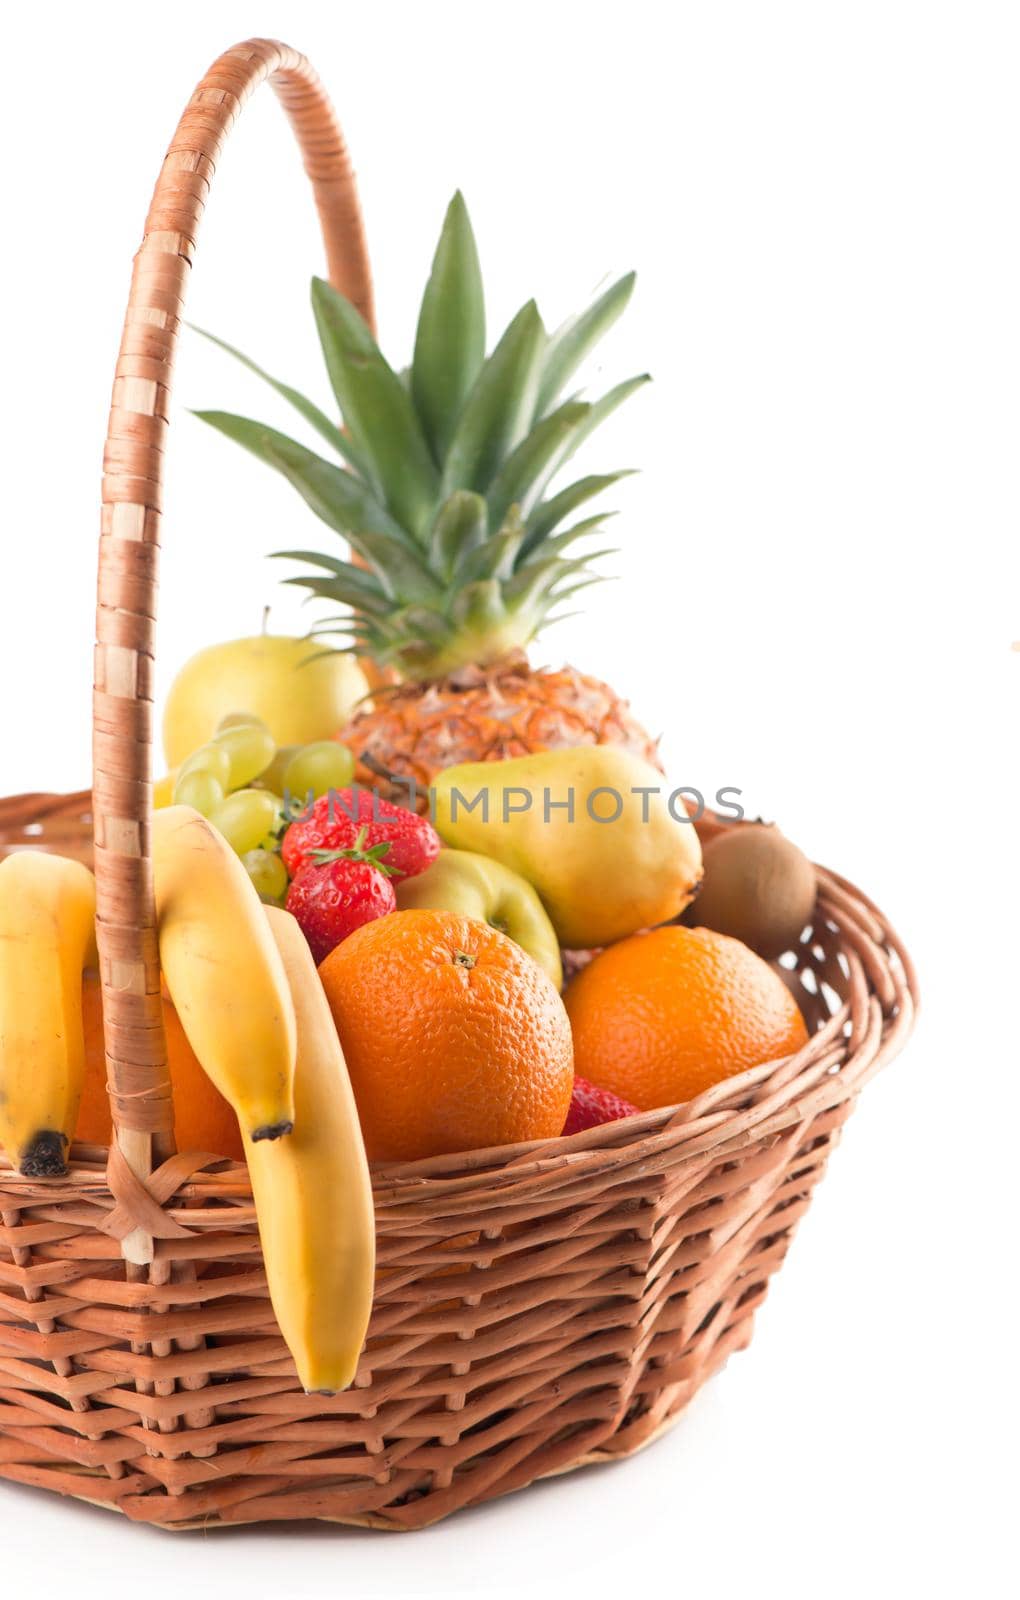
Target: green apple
(300, 695)
(476, 886)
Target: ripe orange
(662, 1016)
(202, 1118)
(454, 1038)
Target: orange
(454, 1038)
(662, 1016)
(202, 1118)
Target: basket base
(594, 1458)
(38, 1480)
(644, 1431)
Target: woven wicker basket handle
(140, 1093)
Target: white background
(818, 588)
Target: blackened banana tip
(43, 1156)
(271, 1130)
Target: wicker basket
(538, 1307)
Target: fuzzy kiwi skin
(758, 888)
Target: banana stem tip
(43, 1156)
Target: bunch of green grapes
(304, 772)
(237, 780)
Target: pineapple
(442, 490)
(417, 729)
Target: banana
(47, 938)
(163, 790)
(313, 1195)
(224, 971)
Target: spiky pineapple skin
(416, 730)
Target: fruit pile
(365, 898)
(250, 788)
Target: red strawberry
(337, 891)
(590, 1106)
(334, 822)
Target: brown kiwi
(758, 888)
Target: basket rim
(863, 1032)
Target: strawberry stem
(373, 855)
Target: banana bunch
(47, 939)
(243, 982)
(244, 985)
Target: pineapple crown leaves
(441, 482)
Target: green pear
(479, 887)
(596, 830)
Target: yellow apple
(300, 695)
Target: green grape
(199, 789)
(318, 768)
(271, 841)
(239, 719)
(245, 818)
(250, 749)
(268, 873)
(274, 774)
(211, 759)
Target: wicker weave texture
(133, 465)
(537, 1308)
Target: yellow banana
(163, 790)
(224, 972)
(313, 1195)
(47, 938)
